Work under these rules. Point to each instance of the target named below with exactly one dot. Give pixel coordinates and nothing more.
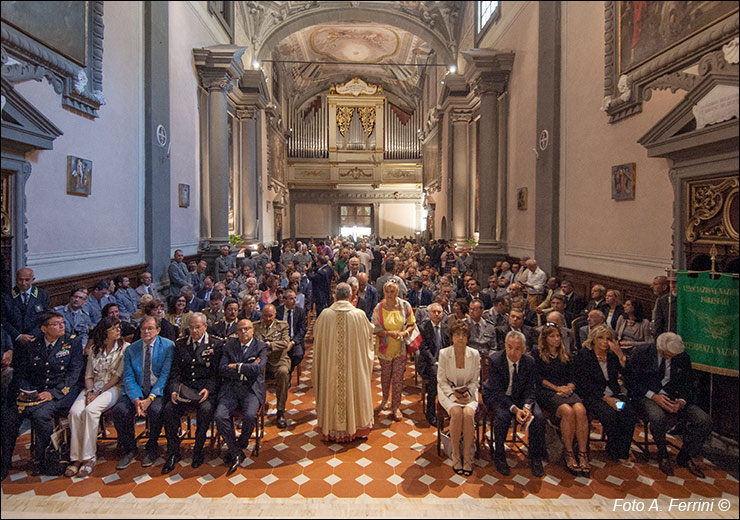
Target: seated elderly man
(242, 369)
(660, 385)
(276, 336)
(435, 337)
(46, 371)
(594, 319)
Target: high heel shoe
(457, 466)
(585, 466)
(571, 464)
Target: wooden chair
(259, 430)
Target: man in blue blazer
(143, 394)
(242, 370)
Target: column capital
(461, 115)
(488, 71)
(219, 65)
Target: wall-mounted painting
(623, 182)
(183, 195)
(521, 198)
(79, 176)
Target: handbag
(413, 342)
(185, 394)
(56, 456)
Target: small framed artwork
(521, 198)
(79, 176)
(184, 195)
(623, 182)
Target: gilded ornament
(367, 116)
(344, 118)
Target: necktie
(661, 370)
(147, 376)
(290, 323)
(515, 379)
(437, 336)
(24, 299)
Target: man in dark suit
(23, 307)
(46, 371)
(295, 317)
(195, 365)
(574, 304)
(418, 296)
(598, 301)
(226, 328)
(321, 276)
(367, 295)
(509, 392)
(661, 386)
(474, 293)
(516, 323)
(195, 304)
(664, 314)
(206, 289)
(146, 367)
(434, 337)
(242, 369)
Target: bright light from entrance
(355, 231)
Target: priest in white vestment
(342, 367)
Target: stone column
(488, 73)
(218, 67)
(460, 123)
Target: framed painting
(522, 194)
(623, 182)
(646, 40)
(79, 176)
(183, 197)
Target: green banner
(707, 320)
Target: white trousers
(83, 423)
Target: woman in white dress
(458, 379)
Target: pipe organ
(353, 118)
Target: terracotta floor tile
(380, 489)
(287, 471)
(184, 489)
(117, 489)
(250, 488)
(607, 489)
(219, 487)
(347, 488)
(536, 486)
(379, 471)
(282, 489)
(85, 487)
(151, 488)
(671, 489)
(315, 489)
(349, 470)
(412, 488)
(577, 490)
(640, 490)
(52, 487)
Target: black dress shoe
(688, 463)
(36, 470)
(502, 467)
(536, 466)
(197, 461)
(235, 465)
(665, 466)
(432, 420)
(281, 423)
(169, 464)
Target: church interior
(599, 138)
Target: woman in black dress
(600, 365)
(556, 394)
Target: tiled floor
(394, 472)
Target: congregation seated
(155, 308)
(516, 323)
(615, 308)
(498, 314)
(249, 310)
(206, 289)
(226, 327)
(435, 337)
(482, 333)
(601, 366)
(556, 395)
(125, 296)
(214, 312)
(574, 304)
(594, 318)
(76, 320)
(97, 299)
(145, 286)
(194, 304)
(459, 312)
(177, 312)
(458, 379)
(633, 329)
(101, 392)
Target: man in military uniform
(215, 312)
(178, 273)
(76, 320)
(195, 364)
(226, 327)
(23, 306)
(46, 372)
(99, 298)
(224, 263)
(277, 337)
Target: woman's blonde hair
(599, 330)
(390, 284)
(544, 349)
